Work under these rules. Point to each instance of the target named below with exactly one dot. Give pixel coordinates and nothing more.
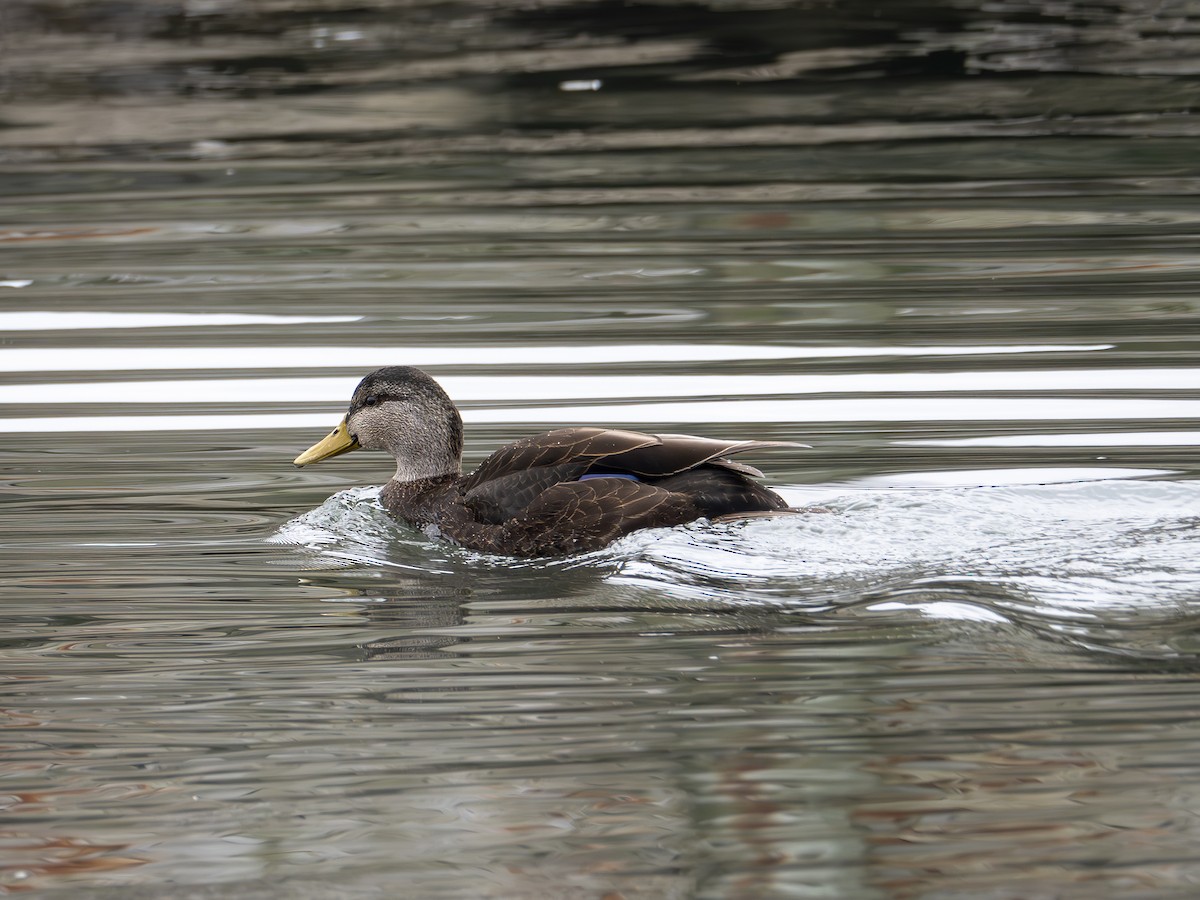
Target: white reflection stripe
(117, 359)
(792, 412)
(468, 389)
(1098, 439)
(60, 321)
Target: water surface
(953, 249)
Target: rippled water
(951, 248)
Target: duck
(563, 492)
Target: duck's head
(405, 412)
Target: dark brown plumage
(566, 491)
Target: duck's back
(579, 489)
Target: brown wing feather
(718, 491)
(579, 516)
(554, 448)
(740, 467)
(675, 453)
(499, 499)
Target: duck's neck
(409, 469)
(417, 500)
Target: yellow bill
(334, 444)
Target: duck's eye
(371, 401)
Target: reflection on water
(950, 247)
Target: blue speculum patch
(624, 475)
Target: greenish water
(951, 248)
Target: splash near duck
(571, 490)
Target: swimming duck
(566, 491)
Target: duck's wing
(671, 454)
(721, 489)
(652, 455)
(578, 516)
(512, 481)
(499, 499)
(553, 448)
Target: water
(951, 248)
